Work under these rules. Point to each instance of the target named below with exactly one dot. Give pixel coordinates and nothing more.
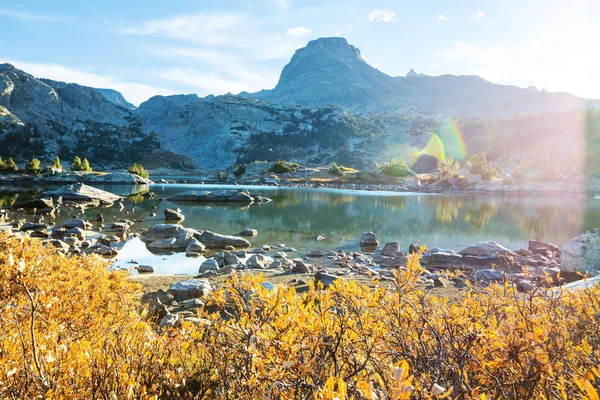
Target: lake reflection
(297, 214)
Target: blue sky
(144, 48)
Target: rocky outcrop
(582, 254)
(57, 177)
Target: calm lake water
(297, 214)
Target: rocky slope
(217, 132)
(329, 106)
(116, 98)
(43, 118)
(331, 71)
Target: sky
(144, 48)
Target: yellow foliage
(71, 329)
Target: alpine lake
(297, 216)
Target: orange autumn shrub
(71, 329)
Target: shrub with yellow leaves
(69, 328)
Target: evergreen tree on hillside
(85, 166)
(33, 167)
(76, 166)
(11, 166)
(56, 163)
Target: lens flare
(452, 139)
(434, 148)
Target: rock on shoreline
(221, 196)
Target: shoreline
(384, 187)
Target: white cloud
(217, 29)
(443, 17)
(385, 15)
(298, 32)
(136, 93)
(462, 45)
(30, 17)
(478, 15)
(283, 4)
(208, 82)
(234, 66)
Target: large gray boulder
(80, 192)
(190, 288)
(163, 233)
(217, 241)
(581, 254)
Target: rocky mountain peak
(331, 47)
(6, 67)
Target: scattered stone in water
(174, 215)
(145, 269)
(98, 218)
(368, 239)
(195, 246)
(316, 253)
(249, 232)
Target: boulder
(257, 261)
(33, 226)
(165, 244)
(77, 223)
(174, 215)
(536, 246)
(490, 275)
(145, 269)
(209, 265)
(79, 192)
(215, 240)
(36, 203)
(249, 232)
(42, 233)
(391, 248)
(582, 254)
(190, 288)
(105, 250)
(194, 245)
(170, 321)
(325, 278)
(183, 236)
(442, 258)
(221, 196)
(300, 267)
(316, 253)
(425, 164)
(368, 239)
(485, 249)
